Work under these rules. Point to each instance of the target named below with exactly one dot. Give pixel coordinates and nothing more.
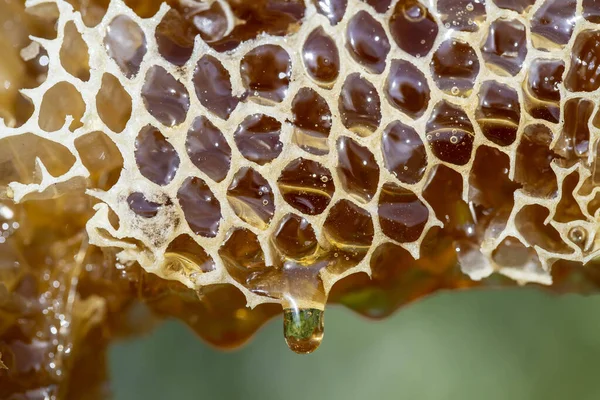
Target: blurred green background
(509, 344)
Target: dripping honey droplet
(303, 329)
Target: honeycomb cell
(210, 22)
(60, 101)
(530, 222)
(257, 138)
(140, 205)
(380, 6)
(295, 237)
(165, 98)
(498, 113)
(321, 57)
(413, 27)
(583, 72)
(553, 23)
(511, 253)
(102, 159)
(91, 12)
(125, 43)
(357, 169)
(520, 6)
(306, 185)
(155, 156)
(574, 140)
(404, 153)
(505, 47)
(74, 53)
(367, 42)
(350, 230)
(406, 88)
(462, 15)
(402, 215)
(444, 192)
(213, 87)
(208, 150)
(201, 208)
(359, 105)
(175, 38)
(185, 255)
(591, 10)
(113, 104)
(312, 121)
(568, 209)
(334, 10)
(242, 255)
(533, 160)
(455, 67)
(265, 72)
(450, 133)
(542, 89)
(251, 198)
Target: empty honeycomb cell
(212, 83)
(404, 153)
(359, 105)
(113, 103)
(490, 188)
(574, 140)
(553, 23)
(402, 215)
(201, 208)
(462, 15)
(498, 113)
(175, 38)
(520, 6)
(60, 101)
(367, 42)
(156, 158)
(101, 157)
(18, 156)
(406, 88)
(505, 47)
(530, 223)
(140, 205)
(357, 169)
(450, 133)
(583, 74)
(334, 10)
(312, 121)
(210, 22)
(208, 150)
(542, 89)
(444, 194)
(252, 18)
(74, 54)
(511, 253)
(568, 209)
(455, 67)
(265, 72)
(533, 160)
(349, 228)
(165, 98)
(321, 57)
(92, 12)
(251, 198)
(295, 237)
(125, 43)
(591, 10)
(306, 185)
(257, 138)
(413, 27)
(184, 253)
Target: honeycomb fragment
(219, 161)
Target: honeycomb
(218, 161)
